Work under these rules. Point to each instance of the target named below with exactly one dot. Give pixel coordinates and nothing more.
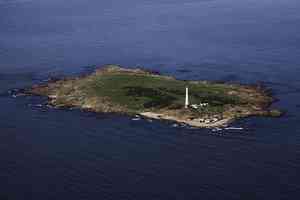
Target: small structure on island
(195, 106)
(186, 97)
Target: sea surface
(48, 154)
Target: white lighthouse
(186, 97)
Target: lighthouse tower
(186, 97)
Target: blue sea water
(68, 154)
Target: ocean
(47, 153)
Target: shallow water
(59, 154)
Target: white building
(186, 97)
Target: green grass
(140, 92)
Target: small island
(113, 89)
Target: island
(114, 89)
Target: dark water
(58, 154)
